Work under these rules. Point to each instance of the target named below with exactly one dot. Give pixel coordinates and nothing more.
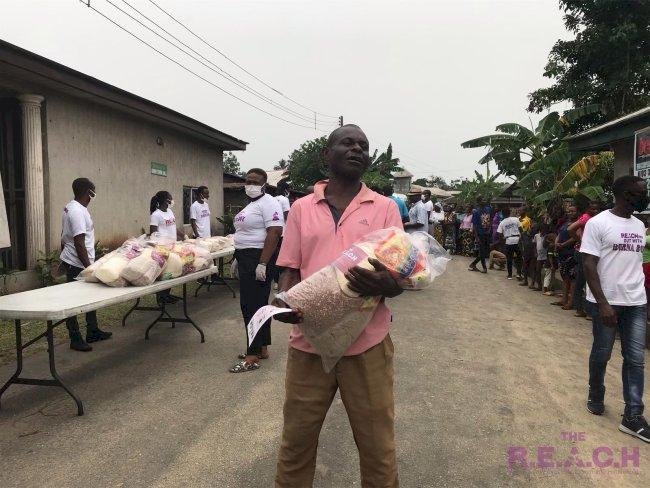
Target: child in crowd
(551, 264)
(541, 257)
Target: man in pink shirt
(320, 226)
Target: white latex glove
(260, 272)
(234, 269)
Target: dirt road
(484, 368)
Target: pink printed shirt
(312, 241)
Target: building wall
(115, 151)
(623, 157)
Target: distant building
(57, 124)
(402, 182)
(437, 194)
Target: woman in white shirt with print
(162, 220)
(257, 231)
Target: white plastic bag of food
(110, 270)
(88, 274)
(145, 268)
(334, 315)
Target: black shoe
(596, 401)
(80, 345)
(98, 335)
(636, 426)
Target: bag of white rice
(145, 268)
(110, 270)
(88, 274)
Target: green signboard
(158, 169)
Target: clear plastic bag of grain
(334, 315)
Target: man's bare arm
(605, 310)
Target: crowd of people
(274, 240)
(601, 256)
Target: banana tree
(515, 148)
(485, 187)
(379, 173)
(587, 177)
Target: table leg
(56, 379)
(126, 316)
(55, 375)
(19, 359)
(188, 317)
(163, 312)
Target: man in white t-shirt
(418, 219)
(611, 248)
(508, 231)
(77, 253)
(282, 196)
(428, 204)
(200, 213)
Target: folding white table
(54, 304)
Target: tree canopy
(230, 164)
(608, 62)
(433, 180)
(306, 164)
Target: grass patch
(108, 318)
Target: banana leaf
(593, 192)
(487, 140)
(570, 116)
(545, 197)
(536, 175)
(516, 129)
(578, 173)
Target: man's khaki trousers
(366, 385)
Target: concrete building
(618, 136)
(57, 124)
(402, 181)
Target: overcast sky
(425, 75)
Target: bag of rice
(110, 271)
(88, 274)
(334, 315)
(145, 268)
(173, 267)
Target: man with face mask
(321, 226)
(77, 253)
(611, 248)
(200, 213)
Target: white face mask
(171, 204)
(423, 198)
(92, 195)
(253, 191)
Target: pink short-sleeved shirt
(582, 220)
(312, 241)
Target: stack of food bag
(141, 261)
(213, 244)
(333, 314)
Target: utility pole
(314, 120)
(341, 121)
